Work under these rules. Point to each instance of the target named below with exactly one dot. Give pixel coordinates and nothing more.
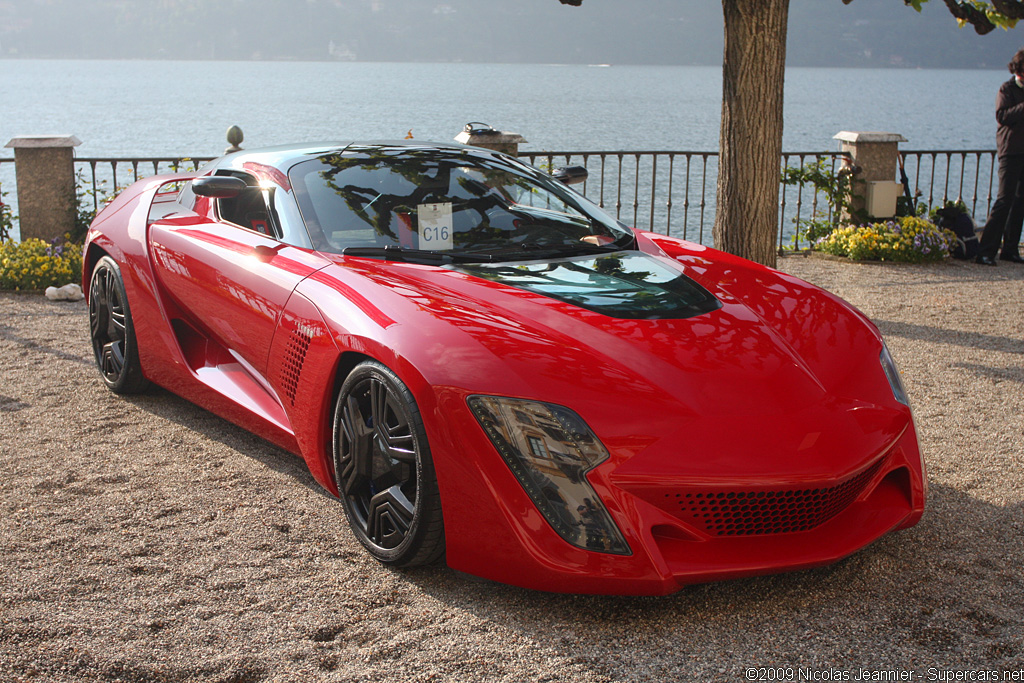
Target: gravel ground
(147, 540)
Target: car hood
(677, 375)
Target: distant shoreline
(287, 60)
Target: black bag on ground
(967, 243)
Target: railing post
(874, 188)
(45, 172)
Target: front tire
(384, 471)
(112, 330)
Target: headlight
(550, 450)
(889, 366)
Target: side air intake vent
(291, 364)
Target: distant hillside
(868, 33)
(880, 33)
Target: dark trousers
(1007, 214)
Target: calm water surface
(148, 108)
(172, 108)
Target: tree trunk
(746, 219)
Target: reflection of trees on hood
(605, 284)
(614, 267)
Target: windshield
(451, 201)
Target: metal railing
(672, 192)
(970, 171)
(647, 186)
(100, 175)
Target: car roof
(283, 157)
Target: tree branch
(1014, 9)
(972, 15)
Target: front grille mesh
(748, 512)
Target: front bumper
(503, 537)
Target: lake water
(170, 108)
(146, 108)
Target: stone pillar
(482, 135)
(874, 187)
(45, 170)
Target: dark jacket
(1010, 115)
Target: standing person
(1007, 214)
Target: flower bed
(35, 264)
(909, 239)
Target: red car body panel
(778, 394)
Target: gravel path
(147, 540)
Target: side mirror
(570, 175)
(218, 186)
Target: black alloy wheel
(112, 331)
(384, 470)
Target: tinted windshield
(448, 200)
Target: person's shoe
(985, 260)
(1012, 258)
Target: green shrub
(835, 185)
(6, 219)
(34, 264)
(86, 202)
(908, 239)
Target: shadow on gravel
(947, 272)
(1014, 374)
(10, 334)
(947, 590)
(963, 555)
(944, 593)
(11, 405)
(171, 407)
(971, 340)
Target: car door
(232, 280)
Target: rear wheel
(384, 470)
(112, 331)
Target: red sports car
(484, 366)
